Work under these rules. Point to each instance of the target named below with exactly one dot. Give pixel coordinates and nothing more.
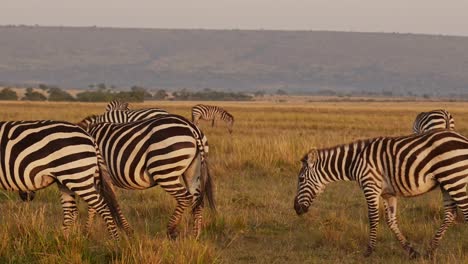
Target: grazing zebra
(119, 116)
(434, 119)
(213, 113)
(117, 105)
(146, 153)
(35, 154)
(386, 168)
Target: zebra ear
(312, 156)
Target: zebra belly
(414, 189)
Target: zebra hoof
(429, 255)
(172, 235)
(413, 254)
(368, 252)
(27, 196)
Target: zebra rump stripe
(386, 168)
(151, 152)
(213, 113)
(36, 154)
(435, 119)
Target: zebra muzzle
(300, 208)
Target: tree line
(102, 93)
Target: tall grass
(255, 172)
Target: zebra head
(309, 183)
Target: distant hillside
(236, 60)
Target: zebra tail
(207, 183)
(107, 191)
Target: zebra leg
(70, 212)
(197, 216)
(90, 219)
(126, 226)
(86, 189)
(213, 122)
(27, 196)
(450, 212)
(192, 180)
(183, 198)
(390, 204)
(373, 214)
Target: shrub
(8, 94)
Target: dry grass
(255, 175)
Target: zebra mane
(360, 142)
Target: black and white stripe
(36, 154)
(117, 105)
(435, 119)
(386, 168)
(120, 116)
(213, 113)
(158, 151)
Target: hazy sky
(449, 17)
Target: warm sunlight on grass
(255, 172)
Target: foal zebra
(35, 154)
(386, 168)
(213, 113)
(146, 153)
(434, 119)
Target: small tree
(43, 87)
(160, 94)
(259, 93)
(8, 94)
(281, 92)
(32, 95)
(57, 94)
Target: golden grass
(255, 172)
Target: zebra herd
(130, 149)
(139, 149)
(385, 168)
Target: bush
(59, 95)
(31, 95)
(8, 94)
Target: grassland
(255, 173)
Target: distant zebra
(213, 113)
(36, 154)
(434, 119)
(117, 105)
(146, 153)
(386, 168)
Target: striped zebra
(213, 113)
(146, 153)
(119, 116)
(386, 168)
(36, 154)
(117, 105)
(435, 119)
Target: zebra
(213, 113)
(119, 116)
(117, 105)
(36, 154)
(434, 119)
(386, 168)
(146, 153)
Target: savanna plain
(255, 173)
